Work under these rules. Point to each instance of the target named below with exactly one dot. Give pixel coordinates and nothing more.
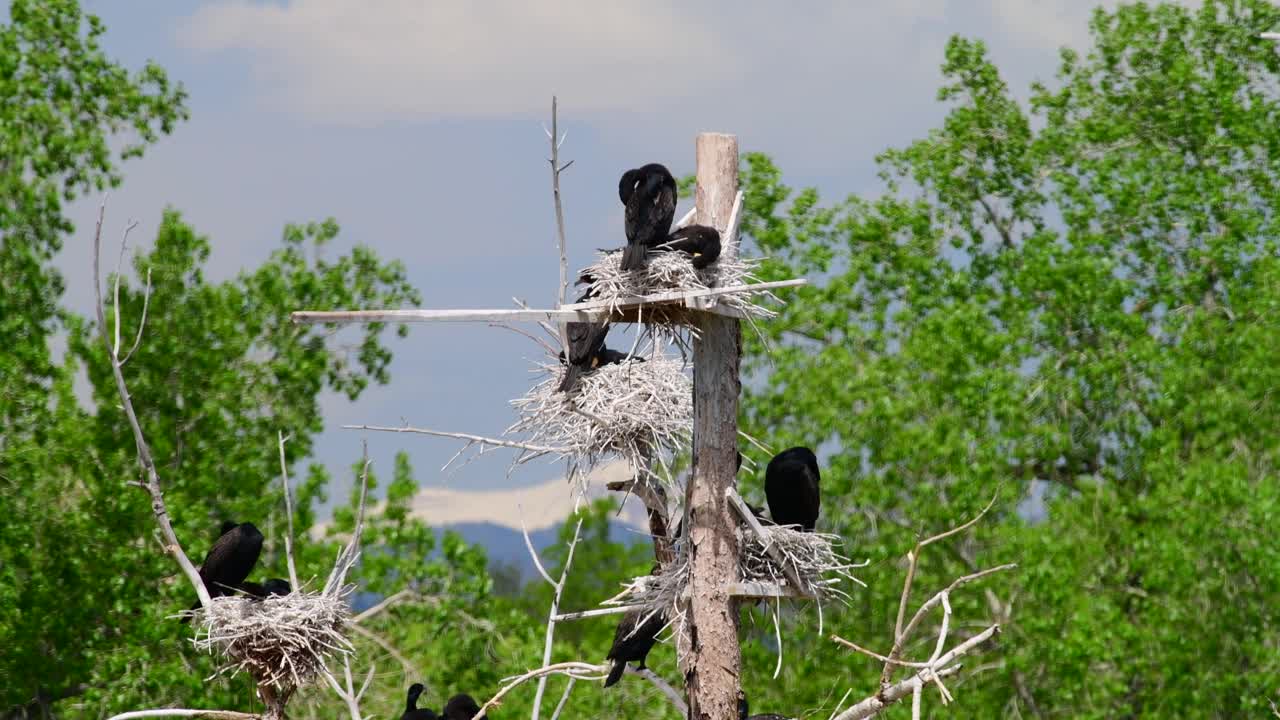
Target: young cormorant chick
(791, 487)
(411, 709)
(229, 561)
(461, 707)
(701, 242)
(649, 192)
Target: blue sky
(418, 126)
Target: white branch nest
(667, 271)
(282, 640)
(812, 556)
(634, 410)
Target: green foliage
(1078, 296)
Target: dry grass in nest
(673, 271)
(814, 557)
(282, 640)
(633, 410)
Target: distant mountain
(505, 546)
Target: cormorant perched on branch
(700, 241)
(791, 487)
(229, 561)
(743, 710)
(649, 192)
(461, 707)
(411, 709)
(632, 644)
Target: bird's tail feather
(632, 257)
(571, 374)
(615, 673)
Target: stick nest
(814, 557)
(667, 271)
(634, 410)
(282, 640)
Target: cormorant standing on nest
(649, 192)
(743, 710)
(791, 487)
(229, 561)
(586, 342)
(461, 707)
(631, 643)
(411, 709)
(700, 241)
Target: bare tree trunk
(711, 642)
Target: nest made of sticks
(634, 410)
(667, 271)
(281, 640)
(813, 557)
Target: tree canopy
(1065, 299)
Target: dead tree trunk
(713, 659)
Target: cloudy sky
(417, 124)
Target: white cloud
(456, 57)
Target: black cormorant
(700, 241)
(461, 707)
(743, 710)
(411, 709)
(274, 586)
(631, 643)
(649, 192)
(229, 561)
(586, 341)
(791, 487)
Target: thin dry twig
(663, 686)
(913, 559)
(555, 607)
(288, 512)
(184, 713)
(573, 669)
(564, 699)
(152, 486)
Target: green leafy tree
(1069, 306)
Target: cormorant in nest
(586, 342)
(743, 710)
(229, 561)
(649, 193)
(274, 586)
(631, 644)
(411, 709)
(791, 487)
(701, 242)
(461, 707)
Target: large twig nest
(674, 271)
(813, 557)
(282, 640)
(633, 410)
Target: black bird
(791, 487)
(411, 709)
(227, 526)
(277, 586)
(649, 193)
(229, 561)
(461, 707)
(631, 643)
(743, 710)
(274, 586)
(586, 341)
(700, 241)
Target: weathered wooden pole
(711, 645)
